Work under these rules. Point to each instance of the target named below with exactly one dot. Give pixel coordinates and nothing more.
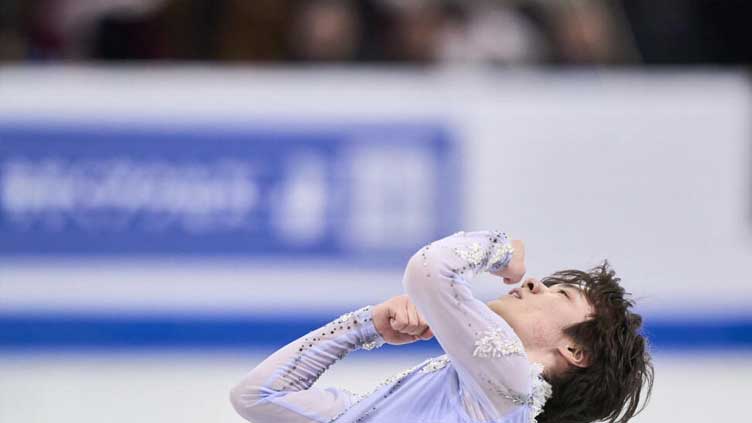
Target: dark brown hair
(620, 369)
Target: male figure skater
(564, 349)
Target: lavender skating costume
(484, 376)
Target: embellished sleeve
(486, 353)
(280, 389)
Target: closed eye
(561, 291)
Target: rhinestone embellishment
(368, 346)
(435, 364)
(540, 392)
(492, 258)
(396, 379)
(472, 254)
(493, 343)
(497, 260)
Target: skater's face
(539, 314)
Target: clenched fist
(398, 321)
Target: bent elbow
(415, 273)
(422, 273)
(244, 397)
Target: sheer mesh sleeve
(280, 388)
(483, 348)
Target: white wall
(649, 170)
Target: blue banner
(348, 191)
(92, 332)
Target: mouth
(516, 293)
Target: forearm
(482, 346)
(459, 258)
(296, 367)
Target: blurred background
(187, 185)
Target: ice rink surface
(194, 388)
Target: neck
(549, 358)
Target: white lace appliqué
(491, 258)
(473, 254)
(540, 393)
(493, 343)
(500, 253)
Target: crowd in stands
(499, 32)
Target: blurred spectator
(245, 30)
(691, 31)
(13, 40)
(585, 32)
(418, 31)
(326, 30)
(493, 32)
(394, 31)
(30, 30)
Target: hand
(398, 321)
(515, 270)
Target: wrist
(381, 320)
(370, 337)
(502, 253)
(514, 269)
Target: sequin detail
(344, 322)
(491, 258)
(493, 343)
(345, 317)
(497, 260)
(368, 346)
(504, 392)
(349, 319)
(391, 380)
(472, 254)
(435, 364)
(540, 392)
(425, 260)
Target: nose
(533, 285)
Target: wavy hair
(620, 369)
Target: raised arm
(483, 348)
(280, 388)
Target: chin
(499, 306)
(508, 309)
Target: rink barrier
(91, 332)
